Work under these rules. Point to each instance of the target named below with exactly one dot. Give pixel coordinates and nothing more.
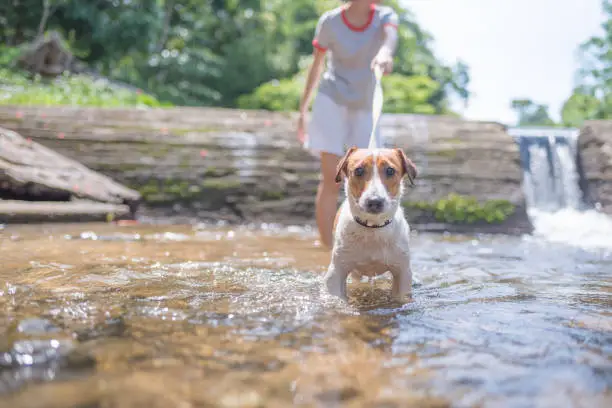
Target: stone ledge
(248, 165)
(23, 212)
(595, 163)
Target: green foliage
(531, 114)
(403, 94)
(283, 95)
(8, 56)
(592, 97)
(415, 57)
(211, 52)
(17, 89)
(410, 94)
(579, 107)
(458, 209)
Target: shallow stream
(181, 316)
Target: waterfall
(548, 158)
(554, 198)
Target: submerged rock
(35, 326)
(36, 350)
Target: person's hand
(384, 60)
(301, 127)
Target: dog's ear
(342, 166)
(408, 166)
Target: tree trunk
(166, 28)
(43, 19)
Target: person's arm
(384, 57)
(312, 79)
(390, 39)
(320, 43)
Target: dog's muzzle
(375, 205)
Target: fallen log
(32, 172)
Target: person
(355, 36)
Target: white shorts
(335, 128)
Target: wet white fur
(371, 251)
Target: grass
(20, 88)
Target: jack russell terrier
(371, 234)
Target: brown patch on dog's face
(356, 165)
(342, 168)
(359, 166)
(390, 171)
(360, 170)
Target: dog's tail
(376, 105)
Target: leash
(376, 105)
(376, 112)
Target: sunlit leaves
(592, 98)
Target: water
(159, 316)
(551, 183)
(549, 162)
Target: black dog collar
(365, 223)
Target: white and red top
(349, 79)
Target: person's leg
(327, 198)
(327, 133)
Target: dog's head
(374, 180)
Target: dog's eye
(390, 171)
(359, 171)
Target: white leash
(376, 105)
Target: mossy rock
(158, 191)
(458, 209)
(449, 153)
(212, 172)
(272, 195)
(220, 184)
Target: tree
(592, 97)
(220, 52)
(531, 114)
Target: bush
(19, 88)
(411, 94)
(283, 95)
(76, 90)
(402, 94)
(461, 209)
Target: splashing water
(588, 229)
(554, 198)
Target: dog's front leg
(402, 283)
(335, 279)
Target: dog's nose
(375, 205)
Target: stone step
(15, 211)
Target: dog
(371, 234)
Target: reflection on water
(100, 315)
